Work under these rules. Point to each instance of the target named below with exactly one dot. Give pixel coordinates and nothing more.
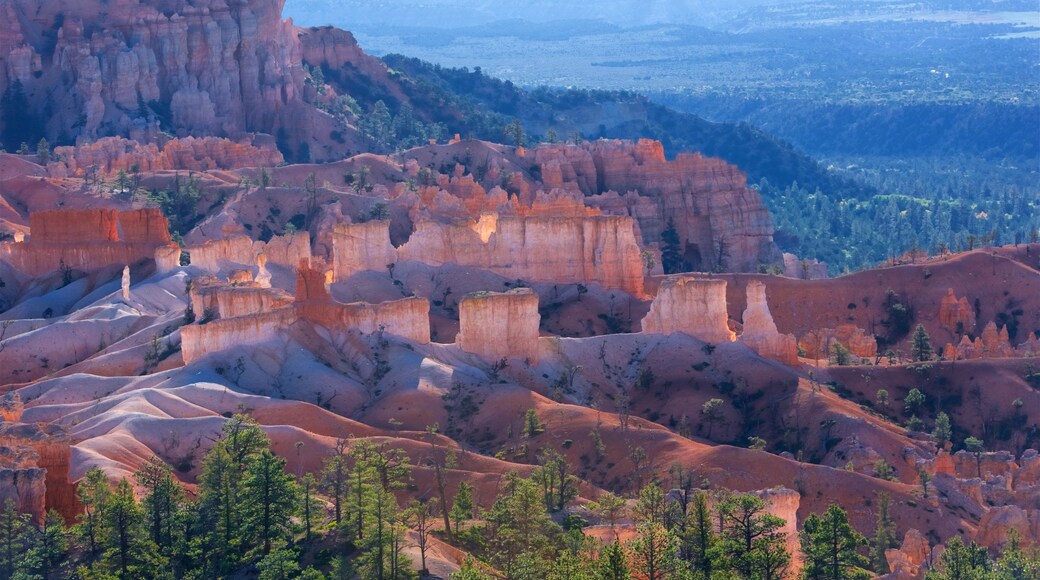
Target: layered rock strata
(88, 239)
(209, 67)
(34, 470)
(760, 333)
(692, 306)
(110, 155)
(819, 344)
(238, 252)
(589, 250)
(252, 315)
(496, 325)
(719, 220)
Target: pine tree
(700, 540)
(462, 505)
(960, 562)
(162, 502)
(830, 546)
(48, 547)
(518, 530)
(94, 492)
(884, 533)
(334, 478)
(752, 542)
(128, 551)
(654, 551)
(613, 562)
(921, 346)
(943, 432)
(14, 538)
(671, 256)
(270, 500)
(307, 487)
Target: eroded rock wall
(496, 325)
(213, 67)
(591, 250)
(692, 306)
(720, 221)
(88, 239)
(198, 340)
(110, 155)
(760, 333)
(239, 252)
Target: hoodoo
(693, 306)
(498, 326)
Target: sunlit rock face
(760, 332)
(588, 250)
(692, 306)
(497, 326)
(721, 223)
(87, 239)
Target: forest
(250, 517)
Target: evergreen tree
(162, 502)
(884, 533)
(613, 562)
(752, 543)
(48, 550)
(94, 492)
(830, 546)
(671, 254)
(558, 485)
(960, 562)
(921, 347)
(270, 500)
(699, 543)
(462, 505)
(14, 538)
(943, 432)
(654, 551)
(518, 530)
(334, 478)
(307, 487)
(129, 554)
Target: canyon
(210, 240)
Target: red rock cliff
(720, 221)
(207, 67)
(500, 325)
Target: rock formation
(246, 315)
(205, 67)
(795, 267)
(956, 314)
(263, 277)
(212, 300)
(110, 155)
(992, 343)
(240, 251)
(198, 340)
(589, 250)
(408, 318)
(819, 344)
(361, 247)
(718, 218)
(692, 306)
(760, 333)
(908, 561)
(126, 283)
(34, 470)
(495, 325)
(88, 239)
